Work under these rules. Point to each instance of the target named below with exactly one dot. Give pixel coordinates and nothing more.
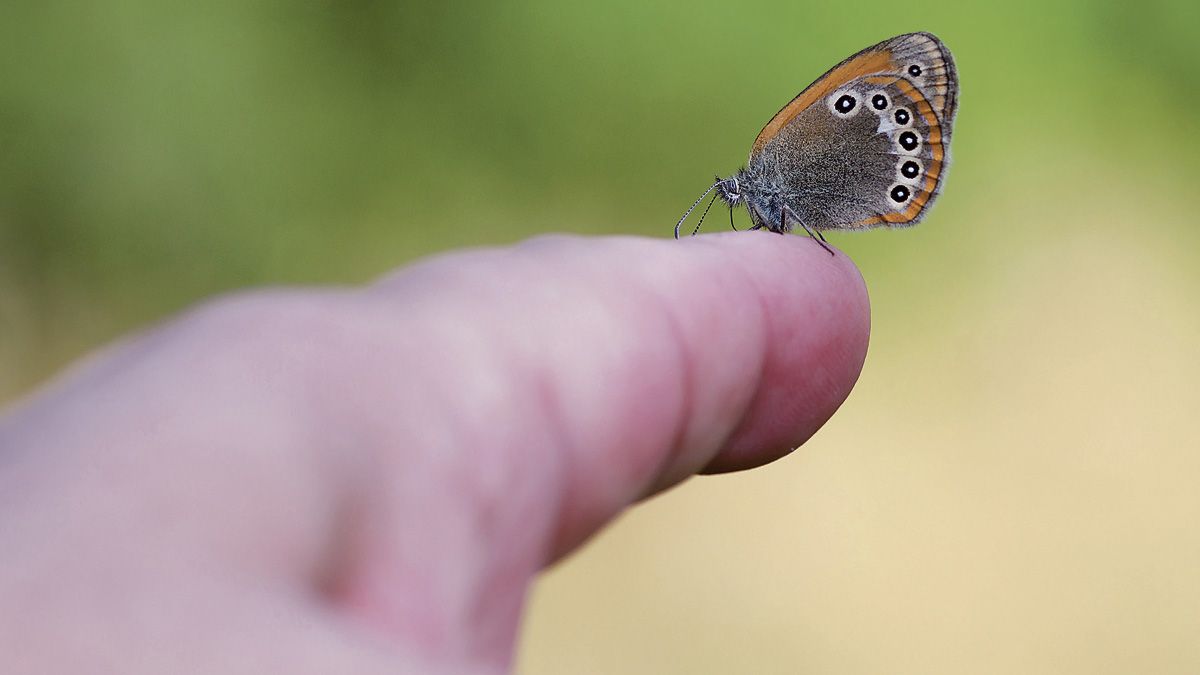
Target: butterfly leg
(755, 221)
(817, 237)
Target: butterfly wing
(866, 145)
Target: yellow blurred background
(1011, 488)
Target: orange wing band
(858, 66)
(932, 172)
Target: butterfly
(867, 145)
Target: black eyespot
(902, 117)
(910, 169)
(909, 141)
(914, 70)
(879, 101)
(899, 194)
(845, 104)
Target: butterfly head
(730, 189)
(746, 188)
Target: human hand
(366, 480)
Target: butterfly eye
(902, 117)
(909, 141)
(845, 104)
(879, 102)
(914, 70)
(899, 194)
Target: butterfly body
(864, 146)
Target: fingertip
(817, 327)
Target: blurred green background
(1013, 485)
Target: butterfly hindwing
(866, 145)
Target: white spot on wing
(831, 102)
(915, 180)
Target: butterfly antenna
(697, 203)
(702, 215)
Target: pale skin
(367, 480)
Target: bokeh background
(1013, 487)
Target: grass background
(1011, 488)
